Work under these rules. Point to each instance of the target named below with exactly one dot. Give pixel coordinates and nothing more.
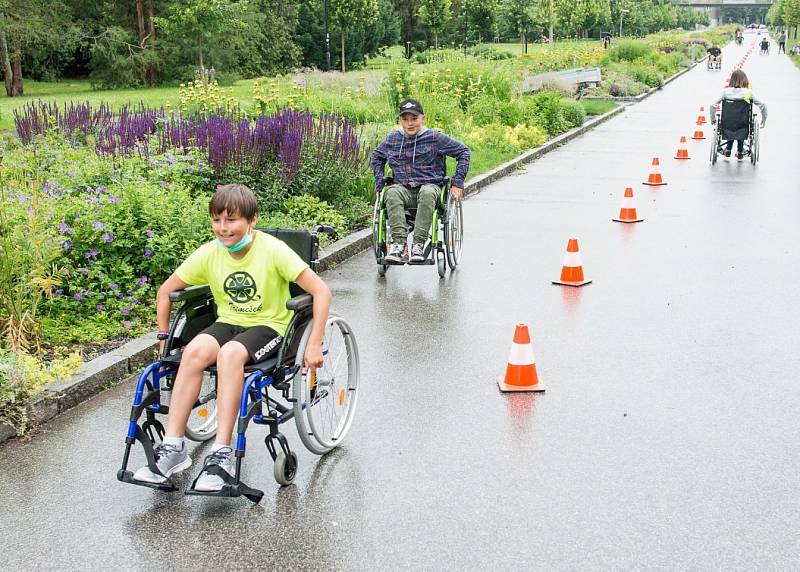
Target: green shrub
(573, 112)
(489, 53)
(309, 211)
(483, 110)
(629, 50)
(549, 113)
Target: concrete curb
(112, 368)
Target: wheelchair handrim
(325, 403)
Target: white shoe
(208, 482)
(169, 460)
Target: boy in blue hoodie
(416, 156)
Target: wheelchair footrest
(231, 491)
(127, 477)
(426, 262)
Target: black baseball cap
(410, 106)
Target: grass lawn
(81, 90)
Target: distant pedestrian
(782, 42)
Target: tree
(348, 14)
(203, 22)
(545, 13)
(435, 14)
(26, 23)
(515, 12)
(481, 15)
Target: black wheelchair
(714, 62)
(444, 245)
(736, 120)
(764, 48)
(322, 402)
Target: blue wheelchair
(322, 402)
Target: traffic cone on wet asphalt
(702, 117)
(627, 213)
(698, 133)
(683, 152)
(654, 179)
(572, 270)
(521, 369)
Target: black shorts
(261, 342)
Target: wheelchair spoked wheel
(715, 141)
(754, 144)
(378, 246)
(454, 232)
(202, 423)
(325, 398)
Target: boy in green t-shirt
(249, 274)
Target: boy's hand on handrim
(458, 192)
(313, 356)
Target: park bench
(574, 80)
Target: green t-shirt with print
(249, 292)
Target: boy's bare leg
(200, 353)
(230, 379)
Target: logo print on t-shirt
(241, 287)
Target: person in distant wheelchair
(249, 274)
(714, 57)
(764, 45)
(416, 155)
(736, 114)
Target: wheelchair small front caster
(285, 468)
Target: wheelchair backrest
(305, 245)
(736, 114)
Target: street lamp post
(465, 28)
(327, 41)
(621, 12)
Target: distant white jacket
(739, 93)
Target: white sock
(217, 446)
(175, 441)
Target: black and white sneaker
(417, 253)
(209, 482)
(170, 459)
(396, 254)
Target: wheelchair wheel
(325, 398)
(285, 468)
(441, 264)
(454, 232)
(715, 141)
(202, 423)
(378, 245)
(754, 143)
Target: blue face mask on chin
(246, 239)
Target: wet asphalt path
(667, 438)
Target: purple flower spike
(64, 228)
(77, 296)
(113, 287)
(150, 233)
(127, 324)
(97, 225)
(148, 253)
(100, 307)
(108, 236)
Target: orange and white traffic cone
(627, 213)
(521, 369)
(654, 179)
(572, 270)
(702, 117)
(698, 133)
(683, 152)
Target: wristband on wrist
(162, 335)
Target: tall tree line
(120, 43)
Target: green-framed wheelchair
(445, 241)
(322, 402)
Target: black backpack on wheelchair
(736, 119)
(321, 402)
